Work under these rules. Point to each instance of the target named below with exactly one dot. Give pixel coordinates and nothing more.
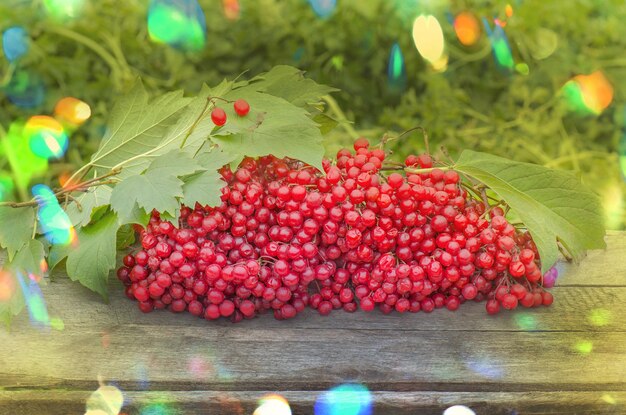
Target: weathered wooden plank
(601, 267)
(574, 309)
(251, 358)
(62, 402)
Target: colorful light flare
(64, 9)
(15, 43)
(346, 399)
(232, 9)
(273, 405)
(323, 8)
(55, 223)
(396, 72)
(428, 38)
(72, 111)
(46, 137)
(588, 94)
(178, 23)
(37, 310)
(467, 28)
(26, 89)
(583, 347)
(7, 285)
(500, 46)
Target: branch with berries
(239, 213)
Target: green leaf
(16, 228)
(125, 237)
(136, 129)
(96, 197)
(326, 123)
(14, 302)
(273, 126)
(91, 261)
(29, 258)
(26, 261)
(553, 204)
(205, 187)
(192, 127)
(290, 84)
(25, 164)
(158, 188)
(174, 163)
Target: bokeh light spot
(613, 202)
(545, 44)
(46, 137)
(15, 43)
(54, 222)
(72, 110)
(157, 408)
(396, 72)
(428, 37)
(467, 28)
(608, 399)
(64, 9)
(178, 23)
(273, 405)
(106, 398)
(323, 8)
(57, 324)
(231, 9)
(458, 410)
(583, 347)
(7, 285)
(588, 94)
(37, 310)
(26, 89)
(508, 10)
(346, 399)
(500, 47)
(600, 317)
(525, 321)
(522, 68)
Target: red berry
(218, 116)
(241, 108)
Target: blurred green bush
(472, 104)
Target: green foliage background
(471, 105)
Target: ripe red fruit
(286, 236)
(241, 108)
(218, 116)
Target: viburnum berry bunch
(287, 236)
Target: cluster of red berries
(287, 236)
(218, 115)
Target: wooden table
(566, 359)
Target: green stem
(580, 156)
(197, 121)
(91, 44)
(341, 117)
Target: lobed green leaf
(16, 228)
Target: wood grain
(302, 402)
(566, 359)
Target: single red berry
(218, 116)
(241, 108)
